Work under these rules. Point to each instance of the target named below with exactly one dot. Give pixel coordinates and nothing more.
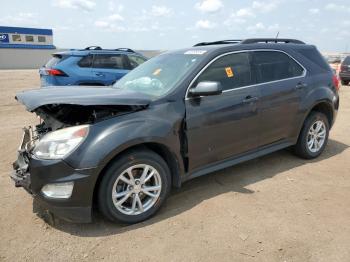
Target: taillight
(335, 80)
(55, 72)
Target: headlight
(58, 144)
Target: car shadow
(193, 192)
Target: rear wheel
(134, 187)
(313, 136)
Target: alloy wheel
(136, 189)
(316, 136)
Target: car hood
(84, 96)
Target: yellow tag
(229, 72)
(157, 71)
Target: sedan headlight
(58, 144)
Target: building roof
(25, 30)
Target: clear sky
(180, 23)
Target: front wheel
(313, 136)
(134, 187)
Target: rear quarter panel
(319, 90)
(76, 75)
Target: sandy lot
(276, 208)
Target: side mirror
(206, 88)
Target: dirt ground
(275, 208)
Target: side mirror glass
(206, 88)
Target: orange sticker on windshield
(157, 71)
(229, 72)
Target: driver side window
(232, 71)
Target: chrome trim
(246, 51)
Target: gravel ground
(275, 208)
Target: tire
(114, 181)
(302, 148)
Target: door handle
(300, 85)
(99, 74)
(250, 99)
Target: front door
(225, 125)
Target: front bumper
(32, 174)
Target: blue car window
(135, 60)
(113, 61)
(86, 61)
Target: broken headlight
(58, 144)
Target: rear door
(225, 125)
(108, 68)
(83, 74)
(280, 81)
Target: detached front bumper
(20, 177)
(33, 174)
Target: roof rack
(125, 49)
(271, 40)
(220, 42)
(117, 49)
(252, 41)
(93, 47)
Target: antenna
(277, 34)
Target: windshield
(159, 75)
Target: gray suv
(344, 73)
(180, 115)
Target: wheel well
(160, 149)
(326, 109)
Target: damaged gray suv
(178, 116)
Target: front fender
(160, 124)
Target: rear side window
(314, 56)
(231, 71)
(86, 61)
(271, 66)
(135, 60)
(53, 61)
(346, 61)
(115, 61)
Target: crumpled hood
(77, 95)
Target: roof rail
(93, 47)
(116, 49)
(124, 49)
(220, 42)
(252, 41)
(271, 40)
